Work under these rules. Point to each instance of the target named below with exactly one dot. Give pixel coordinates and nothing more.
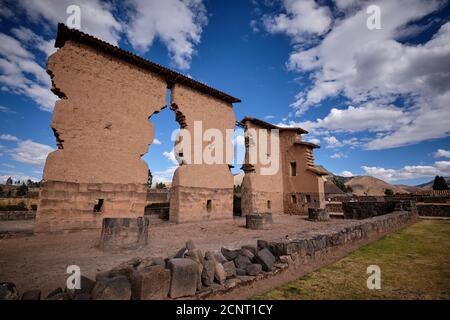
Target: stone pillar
(124, 233)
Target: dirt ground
(40, 261)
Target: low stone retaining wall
(17, 215)
(434, 210)
(363, 210)
(233, 274)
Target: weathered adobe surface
(195, 183)
(101, 124)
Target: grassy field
(414, 263)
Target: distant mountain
(371, 186)
(429, 185)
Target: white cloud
(268, 117)
(301, 18)
(156, 141)
(164, 175)
(442, 153)
(31, 152)
(19, 73)
(313, 140)
(371, 67)
(170, 156)
(4, 109)
(178, 24)
(8, 137)
(96, 16)
(332, 142)
(338, 155)
(409, 172)
(347, 174)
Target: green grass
(414, 263)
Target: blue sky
(377, 101)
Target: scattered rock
(230, 269)
(253, 269)
(230, 254)
(8, 291)
(209, 255)
(190, 245)
(261, 244)
(184, 277)
(115, 288)
(266, 259)
(219, 273)
(242, 262)
(252, 249)
(181, 253)
(246, 278)
(151, 283)
(153, 261)
(32, 295)
(248, 254)
(208, 272)
(231, 283)
(55, 292)
(219, 257)
(240, 272)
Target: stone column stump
(259, 221)
(318, 214)
(124, 233)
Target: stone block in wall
(184, 274)
(116, 288)
(124, 233)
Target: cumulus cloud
(332, 142)
(31, 152)
(374, 71)
(8, 137)
(299, 19)
(313, 140)
(96, 16)
(17, 176)
(170, 156)
(21, 74)
(409, 172)
(442, 153)
(156, 141)
(177, 23)
(346, 174)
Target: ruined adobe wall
(102, 130)
(258, 189)
(201, 191)
(306, 185)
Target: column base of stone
(191, 204)
(261, 201)
(318, 214)
(79, 206)
(124, 233)
(258, 221)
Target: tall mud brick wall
(201, 191)
(102, 130)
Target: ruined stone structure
(295, 187)
(101, 124)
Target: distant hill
(429, 185)
(371, 186)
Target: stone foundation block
(258, 221)
(151, 283)
(124, 233)
(184, 277)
